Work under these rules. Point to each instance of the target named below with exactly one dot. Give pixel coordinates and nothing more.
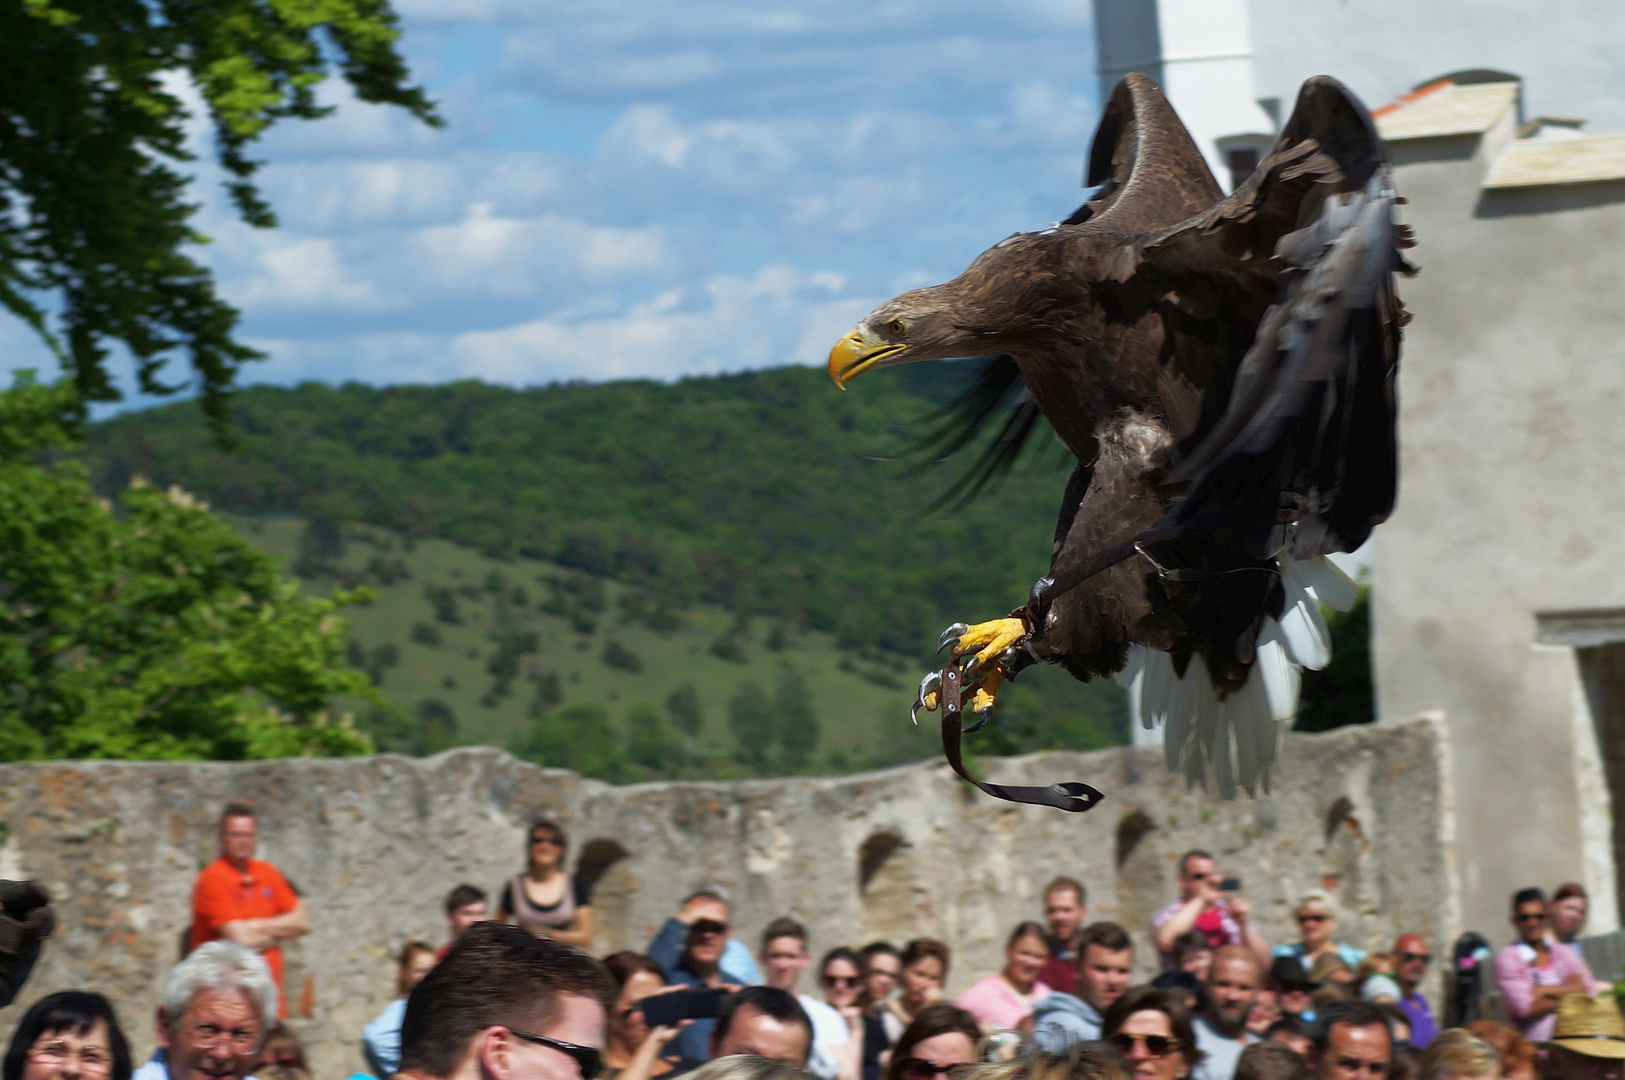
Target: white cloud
(647, 187)
(777, 316)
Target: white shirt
(829, 1029)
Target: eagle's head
(981, 313)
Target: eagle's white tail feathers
(1233, 742)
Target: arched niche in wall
(893, 905)
(1138, 857)
(605, 869)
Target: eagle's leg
(990, 655)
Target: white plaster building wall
(1569, 53)
(1198, 51)
(1511, 391)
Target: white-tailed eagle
(1222, 370)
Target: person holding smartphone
(1211, 903)
(692, 949)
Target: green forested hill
(764, 508)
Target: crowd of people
(513, 995)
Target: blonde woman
(1317, 927)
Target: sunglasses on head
(1155, 1045)
(920, 1069)
(709, 926)
(588, 1058)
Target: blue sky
(641, 188)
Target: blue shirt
(666, 949)
(381, 1040)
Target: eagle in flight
(1221, 370)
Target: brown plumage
(1222, 370)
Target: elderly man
(764, 1021)
(692, 948)
(218, 1004)
(1351, 1041)
(243, 899)
(504, 1005)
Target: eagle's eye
(896, 327)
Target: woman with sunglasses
(545, 899)
(845, 979)
(1152, 1031)
(634, 1049)
(940, 1038)
(1003, 1001)
(1317, 927)
(1536, 971)
(924, 968)
(72, 1035)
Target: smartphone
(663, 1010)
(1230, 884)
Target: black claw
(951, 635)
(981, 722)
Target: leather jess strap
(1073, 797)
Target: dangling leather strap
(1073, 797)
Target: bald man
(1221, 1029)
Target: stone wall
(373, 844)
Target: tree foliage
(148, 629)
(94, 220)
(1341, 693)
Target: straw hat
(1590, 1025)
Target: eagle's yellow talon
(989, 640)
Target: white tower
(1200, 53)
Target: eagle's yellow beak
(856, 353)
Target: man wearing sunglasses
(694, 949)
(506, 1005)
(1411, 959)
(1351, 1041)
(1223, 917)
(1535, 972)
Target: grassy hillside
(727, 576)
(473, 649)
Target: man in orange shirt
(241, 899)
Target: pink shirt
(1517, 976)
(994, 1001)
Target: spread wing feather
(1307, 434)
